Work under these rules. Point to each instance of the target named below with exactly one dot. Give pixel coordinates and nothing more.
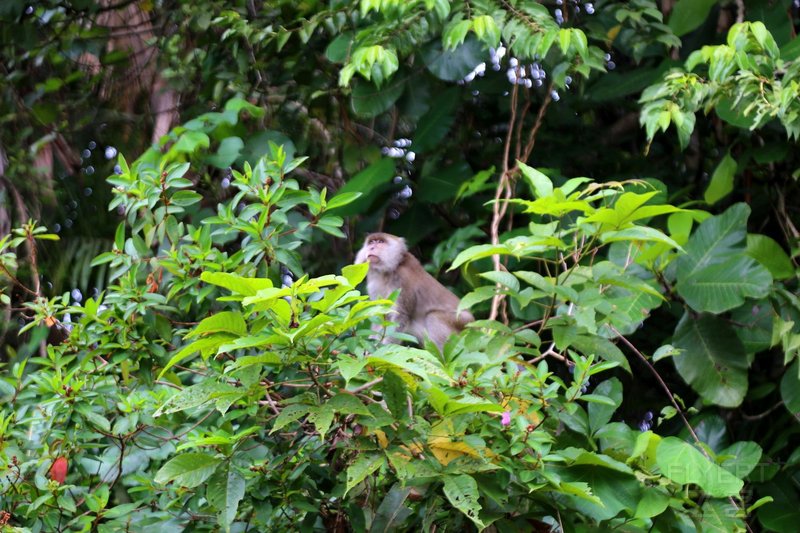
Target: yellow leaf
(446, 450)
(382, 440)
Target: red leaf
(58, 472)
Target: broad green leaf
(363, 466)
(191, 141)
(228, 152)
(713, 360)
(462, 492)
(724, 286)
(599, 414)
(225, 322)
(438, 185)
(348, 404)
(453, 65)
(188, 470)
(355, 274)
(392, 513)
(721, 517)
(721, 184)
(688, 15)
(224, 491)
(771, 255)
(289, 414)
(368, 100)
(602, 348)
(743, 457)
(683, 463)
(322, 418)
(420, 363)
(434, 125)
(371, 181)
(715, 241)
(96, 419)
(197, 395)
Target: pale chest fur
(380, 285)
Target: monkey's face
(383, 251)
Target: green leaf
(197, 395)
(238, 104)
(96, 419)
(322, 418)
(395, 394)
(540, 184)
(420, 363)
(715, 241)
(455, 33)
(224, 491)
(721, 183)
(684, 464)
(391, 513)
(228, 152)
(688, 15)
(185, 198)
(235, 283)
(473, 253)
(370, 182)
(348, 404)
(441, 184)
(188, 470)
(462, 492)
(226, 321)
(342, 199)
(639, 233)
(790, 389)
(771, 255)
(289, 414)
(338, 50)
(724, 286)
(355, 274)
(713, 359)
(205, 346)
(744, 456)
(434, 125)
(453, 65)
(506, 279)
(363, 466)
(191, 141)
(369, 100)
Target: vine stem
(664, 386)
(505, 185)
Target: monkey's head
(383, 251)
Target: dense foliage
(200, 356)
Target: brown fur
(424, 308)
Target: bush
(206, 388)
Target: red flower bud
(58, 472)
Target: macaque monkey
(424, 308)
